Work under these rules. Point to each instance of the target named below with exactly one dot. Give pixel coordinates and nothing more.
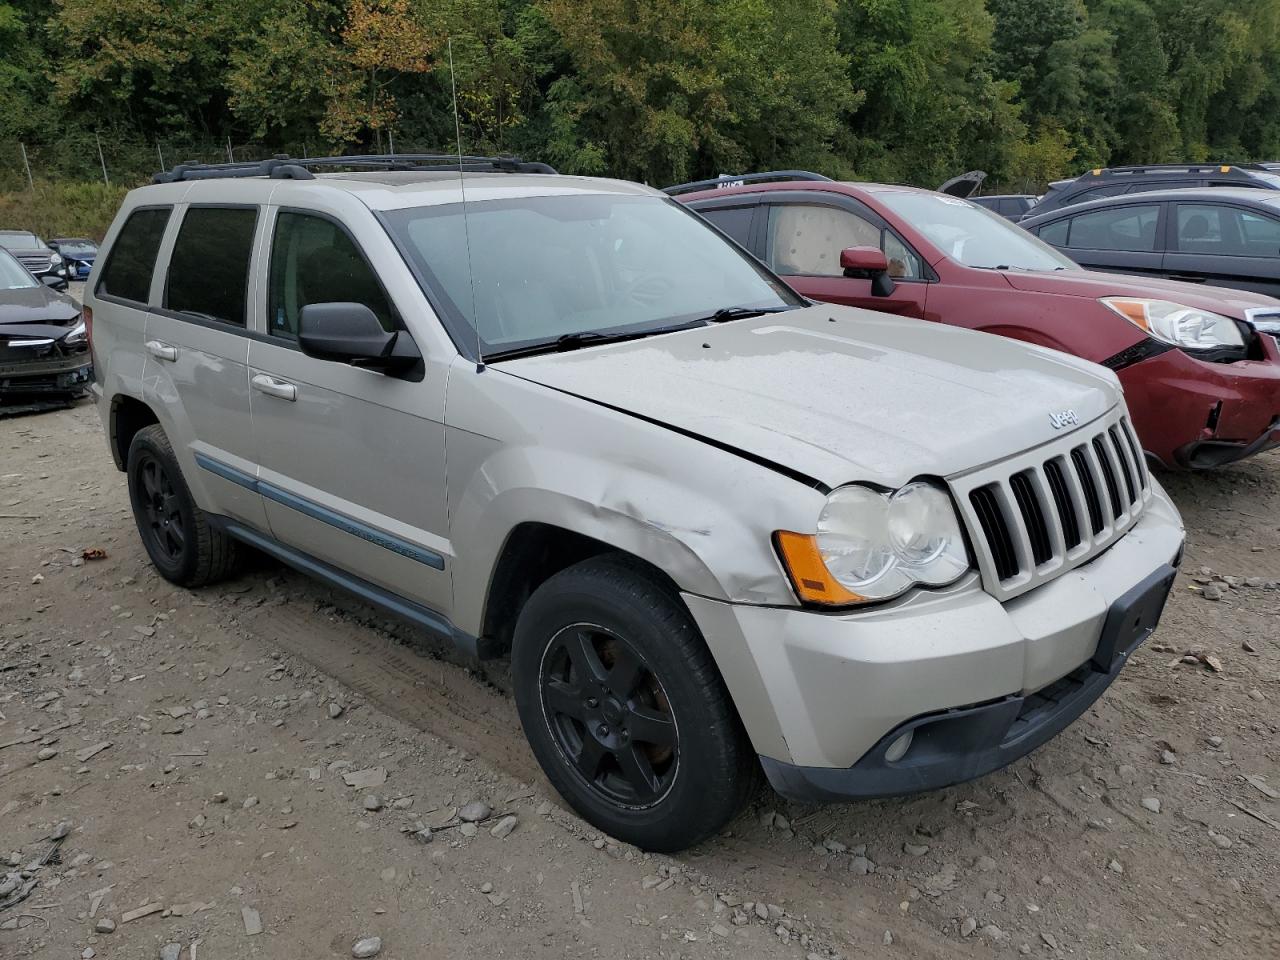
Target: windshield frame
(1062, 262)
(465, 336)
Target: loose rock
(475, 811)
(366, 947)
(504, 827)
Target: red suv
(1203, 385)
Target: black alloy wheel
(609, 716)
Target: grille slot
(1032, 517)
(1123, 457)
(1051, 509)
(1089, 488)
(999, 538)
(1057, 480)
(1108, 476)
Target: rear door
(1225, 245)
(1119, 239)
(197, 352)
(803, 235)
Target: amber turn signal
(810, 577)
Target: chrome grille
(1053, 508)
(35, 262)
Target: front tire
(624, 707)
(182, 544)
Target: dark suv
(1111, 181)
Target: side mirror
(869, 263)
(350, 333)
(54, 282)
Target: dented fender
(702, 514)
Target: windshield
(973, 236)
(76, 247)
(546, 268)
(13, 275)
(20, 241)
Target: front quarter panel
(520, 452)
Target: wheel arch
(128, 416)
(533, 552)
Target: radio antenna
(466, 227)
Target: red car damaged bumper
(1191, 414)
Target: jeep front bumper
(824, 696)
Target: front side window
(132, 257)
(538, 269)
(313, 260)
(1226, 231)
(1131, 229)
(806, 240)
(209, 269)
(971, 235)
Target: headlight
(873, 546)
(76, 336)
(1180, 325)
(55, 259)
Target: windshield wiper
(725, 314)
(569, 341)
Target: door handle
(162, 351)
(275, 388)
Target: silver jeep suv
(718, 529)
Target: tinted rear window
(132, 257)
(733, 221)
(209, 269)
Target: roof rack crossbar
(1155, 167)
(726, 180)
(282, 167)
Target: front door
(1226, 246)
(352, 469)
(803, 241)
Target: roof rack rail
(727, 180)
(1157, 167)
(284, 167)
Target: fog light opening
(898, 749)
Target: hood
(38, 304)
(1094, 284)
(839, 394)
(965, 185)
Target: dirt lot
(196, 745)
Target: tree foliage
(655, 90)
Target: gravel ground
(175, 765)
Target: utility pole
(26, 163)
(160, 154)
(102, 159)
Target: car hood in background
(37, 304)
(840, 394)
(1095, 284)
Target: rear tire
(625, 709)
(182, 544)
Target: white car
(716, 527)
